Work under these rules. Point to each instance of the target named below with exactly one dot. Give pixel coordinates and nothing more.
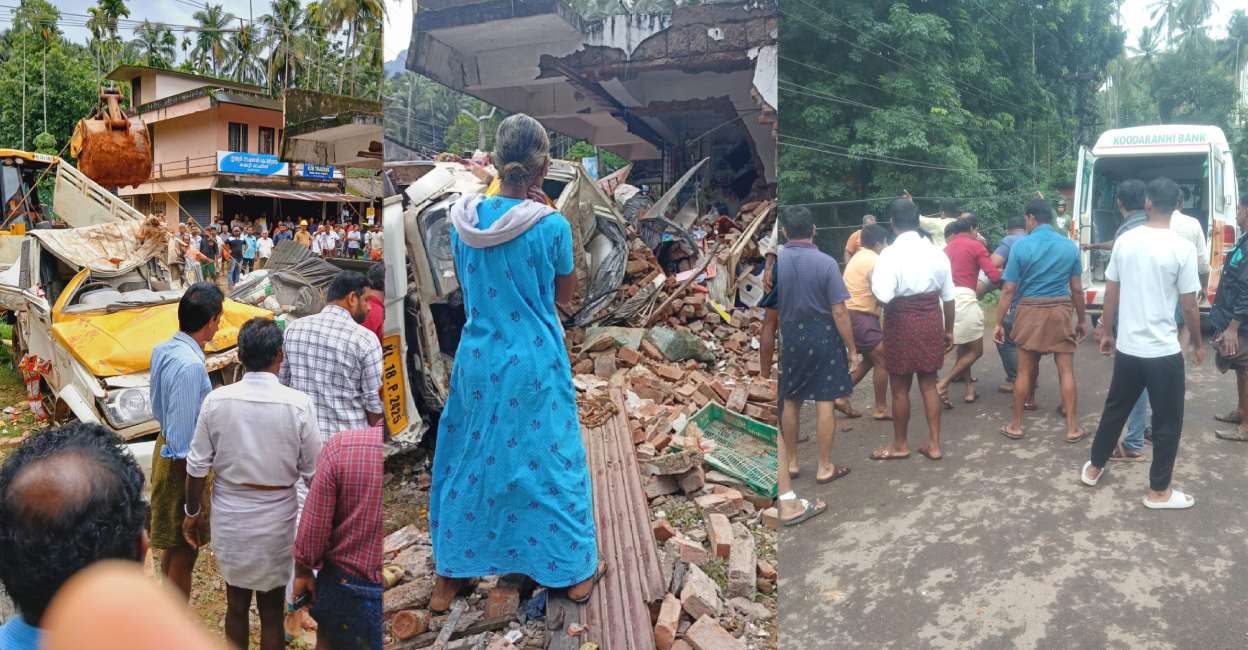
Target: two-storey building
(216, 152)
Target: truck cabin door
(1082, 205)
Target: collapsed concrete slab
(697, 81)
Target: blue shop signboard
(258, 164)
(323, 172)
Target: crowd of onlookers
(224, 252)
(281, 472)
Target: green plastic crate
(745, 448)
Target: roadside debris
(679, 427)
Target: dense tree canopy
(981, 100)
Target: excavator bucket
(111, 149)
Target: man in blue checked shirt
(179, 384)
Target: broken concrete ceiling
(629, 84)
(324, 129)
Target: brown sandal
(588, 585)
(886, 453)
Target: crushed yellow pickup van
(88, 305)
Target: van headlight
(126, 407)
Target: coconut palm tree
(283, 27)
(103, 20)
(357, 17)
(155, 45)
(371, 52)
(210, 42)
(1146, 48)
(316, 45)
(244, 49)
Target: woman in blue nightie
(510, 490)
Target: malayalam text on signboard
(256, 164)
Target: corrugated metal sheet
(618, 615)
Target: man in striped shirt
(339, 536)
(179, 384)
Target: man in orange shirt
(855, 240)
(864, 316)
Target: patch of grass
(683, 514)
(717, 569)
(764, 543)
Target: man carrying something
(1043, 277)
(913, 280)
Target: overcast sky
(399, 27)
(1136, 14)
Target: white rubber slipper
(1177, 501)
(1091, 482)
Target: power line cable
(826, 150)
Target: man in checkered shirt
(333, 358)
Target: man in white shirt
(319, 241)
(260, 439)
(1152, 268)
(1189, 228)
(264, 251)
(913, 280)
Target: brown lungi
(1045, 325)
(914, 334)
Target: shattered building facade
(660, 90)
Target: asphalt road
(998, 545)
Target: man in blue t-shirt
(250, 245)
(54, 488)
(1044, 288)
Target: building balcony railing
(188, 166)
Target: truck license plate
(393, 385)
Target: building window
(238, 137)
(136, 92)
(267, 140)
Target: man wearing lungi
(864, 316)
(913, 280)
(1042, 275)
(179, 384)
(1152, 268)
(817, 346)
(1230, 318)
(967, 257)
(259, 438)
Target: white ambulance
(1196, 157)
